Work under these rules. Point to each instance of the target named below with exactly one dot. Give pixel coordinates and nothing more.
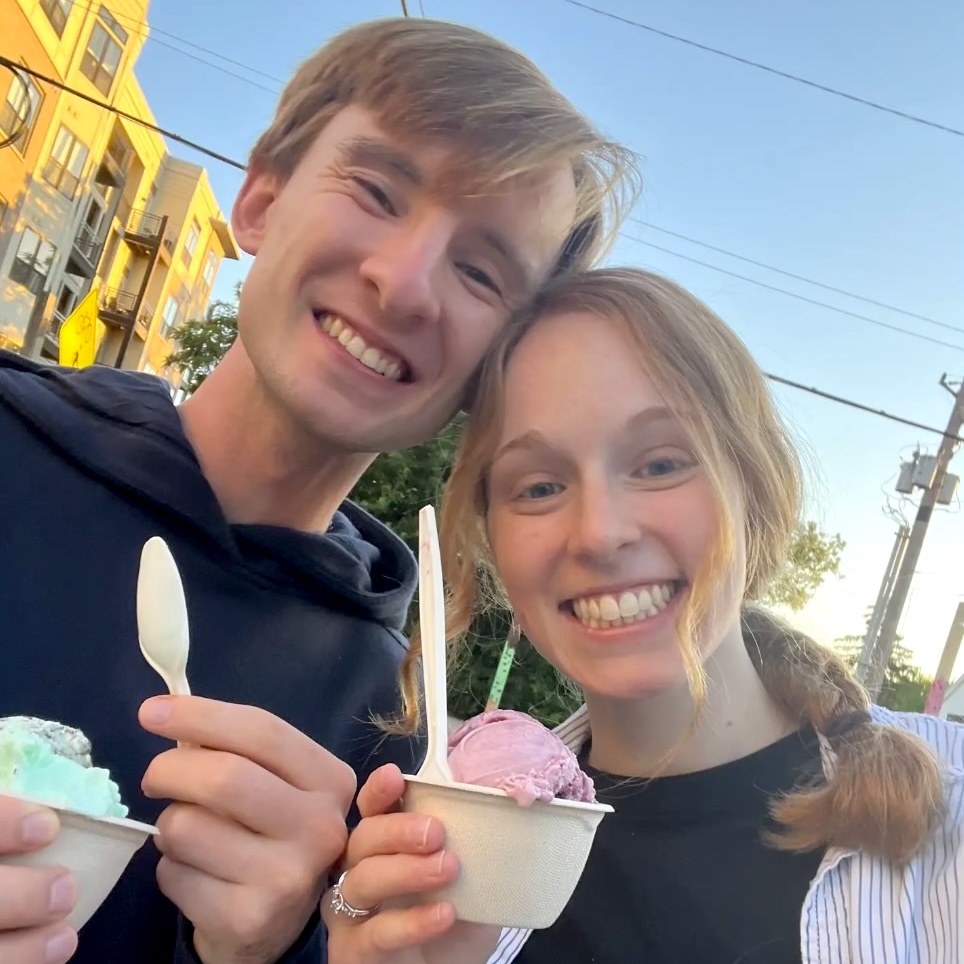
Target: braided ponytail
(883, 789)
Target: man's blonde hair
(427, 80)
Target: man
(419, 181)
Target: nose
(607, 520)
(406, 270)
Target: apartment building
(92, 198)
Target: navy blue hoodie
(309, 627)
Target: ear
(249, 216)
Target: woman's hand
(393, 859)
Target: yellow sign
(80, 333)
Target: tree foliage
(905, 685)
(201, 343)
(813, 556)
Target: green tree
(813, 556)
(200, 344)
(905, 685)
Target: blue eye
(661, 467)
(541, 490)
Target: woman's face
(600, 515)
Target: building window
(57, 13)
(111, 23)
(32, 263)
(102, 57)
(210, 267)
(170, 316)
(65, 166)
(20, 109)
(191, 242)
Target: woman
(626, 475)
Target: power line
(850, 403)
(24, 122)
(237, 164)
(798, 277)
(149, 32)
(274, 91)
(133, 23)
(775, 378)
(794, 294)
(770, 70)
(120, 113)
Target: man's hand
(258, 820)
(33, 900)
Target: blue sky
(736, 158)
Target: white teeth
(356, 346)
(601, 612)
(628, 604)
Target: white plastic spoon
(431, 612)
(162, 627)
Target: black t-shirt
(679, 874)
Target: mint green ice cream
(50, 763)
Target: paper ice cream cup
(96, 850)
(520, 865)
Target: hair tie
(841, 725)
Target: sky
(733, 157)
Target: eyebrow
(533, 441)
(372, 152)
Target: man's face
(372, 300)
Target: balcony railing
(117, 306)
(56, 323)
(141, 224)
(87, 243)
(117, 309)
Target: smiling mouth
(375, 359)
(609, 610)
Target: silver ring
(341, 906)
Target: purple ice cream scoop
(511, 751)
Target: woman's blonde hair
(427, 80)
(884, 790)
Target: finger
(382, 791)
(221, 848)
(52, 945)
(239, 789)
(389, 931)
(253, 733)
(25, 826)
(204, 900)
(394, 833)
(380, 879)
(34, 895)
(234, 914)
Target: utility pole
(935, 699)
(866, 661)
(895, 606)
